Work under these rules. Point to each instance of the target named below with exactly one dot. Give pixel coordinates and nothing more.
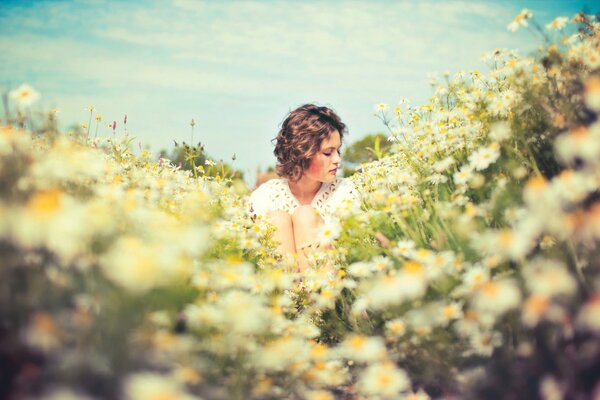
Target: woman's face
(325, 163)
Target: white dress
(333, 199)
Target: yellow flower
(45, 203)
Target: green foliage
(369, 148)
(195, 159)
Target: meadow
(469, 271)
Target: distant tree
(186, 157)
(371, 147)
(262, 177)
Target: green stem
(532, 160)
(87, 135)
(577, 263)
(194, 169)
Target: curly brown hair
(300, 138)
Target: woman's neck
(305, 189)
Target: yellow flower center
(357, 342)
(537, 304)
(536, 183)
(413, 267)
(45, 203)
(490, 289)
(449, 312)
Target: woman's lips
(333, 171)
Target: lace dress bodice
(276, 195)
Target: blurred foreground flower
(24, 95)
(520, 20)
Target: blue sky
(237, 67)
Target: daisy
(520, 20)
(451, 311)
(589, 315)
(363, 348)
(497, 297)
(388, 290)
(534, 308)
(444, 164)
(484, 157)
(404, 248)
(484, 342)
(558, 23)
(43, 332)
(463, 176)
(360, 269)
(383, 380)
(381, 107)
(551, 389)
(580, 142)
(476, 277)
(419, 395)
(328, 232)
(149, 385)
(549, 278)
(500, 131)
(319, 395)
(592, 93)
(283, 351)
(25, 95)
(437, 179)
(395, 327)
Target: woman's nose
(337, 159)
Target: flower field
(471, 270)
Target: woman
(308, 194)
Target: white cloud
(257, 32)
(240, 66)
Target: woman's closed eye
(330, 153)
